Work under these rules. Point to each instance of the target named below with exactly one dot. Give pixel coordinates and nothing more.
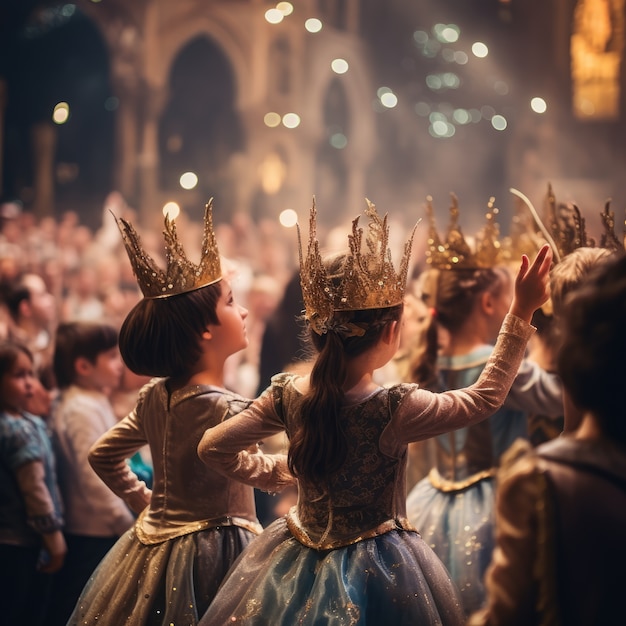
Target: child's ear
(207, 335)
(389, 333)
(487, 302)
(82, 366)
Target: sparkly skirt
(459, 526)
(172, 582)
(393, 578)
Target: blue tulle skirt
(459, 527)
(391, 579)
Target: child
(195, 522)
(561, 508)
(346, 552)
(87, 367)
(31, 540)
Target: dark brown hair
(161, 337)
(592, 361)
(9, 351)
(318, 446)
(79, 339)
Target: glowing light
(61, 113)
(434, 82)
(480, 50)
(460, 57)
(188, 180)
(461, 116)
(274, 16)
(451, 80)
(313, 25)
(389, 100)
(441, 129)
(272, 172)
(338, 141)
(538, 105)
(271, 119)
(286, 8)
(291, 120)
(339, 66)
(381, 91)
(171, 210)
(288, 218)
(420, 37)
(447, 33)
(499, 122)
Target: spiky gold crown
(564, 227)
(368, 279)
(181, 275)
(454, 252)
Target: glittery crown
(454, 252)
(564, 227)
(181, 275)
(368, 279)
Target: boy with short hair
(87, 367)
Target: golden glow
(271, 119)
(171, 210)
(272, 172)
(288, 218)
(596, 49)
(61, 113)
(286, 8)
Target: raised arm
(423, 414)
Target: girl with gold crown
(469, 291)
(195, 522)
(346, 553)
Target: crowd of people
(158, 393)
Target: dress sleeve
(108, 459)
(230, 448)
(536, 391)
(40, 511)
(423, 414)
(512, 579)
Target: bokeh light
(480, 50)
(61, 113)
(538, 105)
(171, 209)
(188, 180)
(274, 16)
(313, 25)
(291, 120)
(271, 119)
(339, 66)
(288, 218)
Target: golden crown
(181, 275)
(564, 227)
(454, 252)
(368, 279)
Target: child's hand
(55, 550)
(531, 284)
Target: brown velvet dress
(192, 526)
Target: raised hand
(531, 284)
